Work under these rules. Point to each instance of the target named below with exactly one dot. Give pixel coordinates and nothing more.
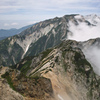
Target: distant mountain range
(10, 32)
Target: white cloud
(6, 24)
(93, 56)
(83, 32)
(38, 10)
(14, 24)
(44, 4)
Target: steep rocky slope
(6, 93)
(45, 34)
(64, 71)
(14, 85)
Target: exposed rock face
(43, 35)
(32, 88)
(71, 75)
(6, 93)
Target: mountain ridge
(71, 75)
(45, 34)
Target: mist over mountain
(91, 49)
(84, 31)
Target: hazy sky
(18, 13)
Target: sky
(18, 13)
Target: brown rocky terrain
(6, 93)
(37, 88)
(60, 73)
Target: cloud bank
(83, 32)
(93, 56)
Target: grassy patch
(79, 61)
(77, 56)
(9, 80)
(45, 53)
(25, 67)
(36, 77)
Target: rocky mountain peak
(43, 35)
(93, 18)
(63, 70)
